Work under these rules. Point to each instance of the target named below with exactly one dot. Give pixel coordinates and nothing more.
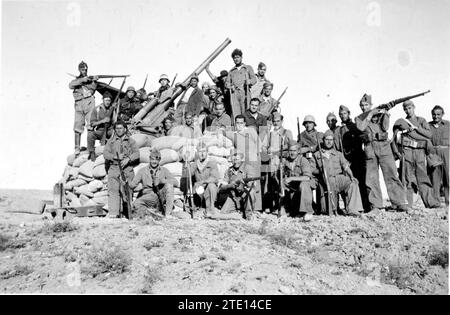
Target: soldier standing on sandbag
(206, 175)
(378, 153)
(298, 193)
(130, 105)
(260, 75)
(414, 143)
(157, 188)
(83, 88)
(440, 139)
(100, 117)
(348, 141)
(253, 118)
(277, 138)
(239, 81)
(268, 103)
(340, 177)
(128, 157)
(192, 100)
(241, 193)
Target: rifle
(126, 187)
(102, 76)
(145, 81)
(190, 193)
(299, 135)
(105, 133)
(118, 101)
(328, 194)
(277, 102)
(391, 104)
(280, 170)
(174, 78)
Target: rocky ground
(384, 253)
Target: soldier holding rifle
(336, 177)
(374, 125)
(128, 156)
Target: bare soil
(384, 253)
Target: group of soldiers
(271, 171)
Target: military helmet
(163, 77)
(131, 88)
(309, 118)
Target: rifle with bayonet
(328, 194)
(274, 106)
(391, 104)
(174, 78)
(299, 134)
(116, 116)
(126, 190)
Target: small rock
(285, 290)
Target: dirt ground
(385, 253)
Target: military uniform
(348, 141)
(99, 113)
(309, 143)
(83, 93)
(378, 153)
(258, 86)
(128, 108)
(157, 184)
(414, 145)
(440, 140)
(223, 121)
(256, 122)
(238, 199)
(267, 103)
(270, 169)
(127, 148)
(240, 78)
(298, 196)
(163, 94)
(340, 183)
(209, 172)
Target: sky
(326, 52)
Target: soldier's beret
(331, 116)
(267, 84)
(107, 95)
(328, 133)
(237, 52)
(408, 103)
(366, 99)
(82, 65)
(344, 108)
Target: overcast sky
(327, 52)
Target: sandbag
(81, 159)
(141, 140)
(188, 153)
(85, 201)
(219, 160)
(87, 168)
(95, 185)
(75, 202)
(167, 156)
(74, 183)
(216, 139)
(83, 190)
(164, 142)
(178, 180)
(175, 168)
(219, 151)
(99, 160)
(101, 193)
(100, 200)
(99, 150)
(99, 171)
(222, 170)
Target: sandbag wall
(85, 181)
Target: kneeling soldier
(298, 194)
(157, 188)
(123, 150)
(340, 177)
(241, 195)
(206, 177)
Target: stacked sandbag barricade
(85, 181)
